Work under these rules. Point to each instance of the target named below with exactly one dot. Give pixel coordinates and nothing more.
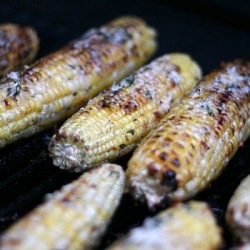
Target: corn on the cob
(113, 122)
(18, 46)
(195, 140)
(238, 211)
(185, 226)
(73, 218)
(58, 85)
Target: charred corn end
(112, 123)
(19, 46)
(58, 85)
(195, 140)
(73, 218)
(185, 226)
(238, 211)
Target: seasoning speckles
(122, 115)
(57, 85)
(200, 135)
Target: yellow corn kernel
(238, 211)
(185, 226)
(58, 85)
(19, 46)
(114, 122)
(74, 217)
(194, 142)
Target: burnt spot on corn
(169, 179)
(122, 146)
(176, 162)
(158, 115)
(60, 135)
(131, 131)
(77, 138)
(203, 147)
(6, 102)
(163, 156)
(152, 168)
(130, 107)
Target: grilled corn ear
(194, 142)
(19, 46)
(58, 85)
(113, 122)
(238, 211)
(185, 226)
(73, 218)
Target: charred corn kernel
(194, 142)
(113, 122)
(73, 218)
(185, 226)
(19, 46)
(238, 211)
(58, 85)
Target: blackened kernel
(6, 102)
(176, 162)
(163, 156)
(221, 120)
(127, 109)
(168, 179)
(121, 146)
(77, 138)
(158, 115)
(131, 131)
(104, 105)
(222, 100)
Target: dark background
(211, 31)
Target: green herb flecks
(209, 110)
(130, 80)
(131, 131)
(148, 94)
